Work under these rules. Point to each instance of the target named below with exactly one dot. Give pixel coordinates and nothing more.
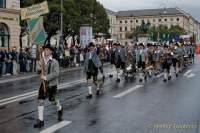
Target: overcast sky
(190, 6)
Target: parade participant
(186, 54)
(175, 58)
(141, 61)
(102, 56)
(156, 58)
(150, 58)
(167, 62)
(130, 62)
(112, 56)
(49, 68)
(92, 64)
(192, 51)
(120, 59)
(181, 57)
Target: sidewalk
(10, 78)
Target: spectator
(22, 61)
(28, 57)
(67, 57)
(9, 63)
(14, 54)
(2, 61)
(33, 58)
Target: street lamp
(61, 25)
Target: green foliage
(165, 32)
(76, 13)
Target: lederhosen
(120, 63)
(174, 59)
(167, 61)
(151, 61)
(92, 71)
(51, 90)
(112, 58)
(141, 64)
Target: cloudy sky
(190, 6)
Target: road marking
(34, 93)
(18, 99)
(18, 96)
(186, 73)
(17, 78)
(120, 95)
(190, 75)
(159, 75)
(56, 127)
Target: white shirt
(90, 57)
(46, 59)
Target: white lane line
(61, 87)
(18, 99)
(120, 95)
(16, 79)
(34, 93)
(159, 75)
(29, 94)
(56, 127)
(190, 75)
(18, 96)
(187, 72)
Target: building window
(136, 21)
(172, 19)
(125, 28)
(125, 21)
(165, 20)
(4, 35)
(120, 29)
(120, 36)
(159, 20)
(120, 22)
(131, 21)
(2, 3)
(177, 19)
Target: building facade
(128, 20)
(112, 16)
(9, 23)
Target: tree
(165, 32)
(76, 13)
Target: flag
(36, 31)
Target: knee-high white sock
(40, 112)
(90, 89)
(59, 107)
(140, 76)
(165, 75)
(150, 72)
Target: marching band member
(141, 61)
(92, 64)
(167, 62)
(49, 76)
(120, 59)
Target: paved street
(125, 107)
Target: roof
(111, 12)
(149, 12)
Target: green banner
(36, 31)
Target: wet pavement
(125, 107)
